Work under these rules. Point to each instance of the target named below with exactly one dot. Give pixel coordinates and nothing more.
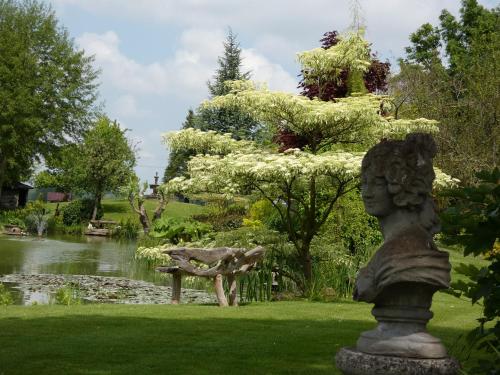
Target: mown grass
(262, 338)
(119, 209)
(115, 209)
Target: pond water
(70, 255)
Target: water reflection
(72, 255)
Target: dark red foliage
(376, 76)
(375, 80)
(330, 38)
(331, 89)
(286, 139)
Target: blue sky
(156, 56)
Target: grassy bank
(119, 209)
(262, 338)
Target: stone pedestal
(353, 362)
(402, 312)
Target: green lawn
(115, 209)
(296, 337)
(261, 338)
(119, 209)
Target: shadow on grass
(96, 344)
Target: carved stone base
(353, 362)
(402, 312)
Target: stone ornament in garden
(212, 263)
(406, 270)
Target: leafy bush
(127, 229)
(68, 295)
(149, 241)
(80, 210)
(334, 270)
(5, 296)
(352, 227)
(223, 217)
(179, 230)
(276, 274)
(474, 222)
(262, 211)
(13, 217)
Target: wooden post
(176, 288)
(233, 296)
(219, 291)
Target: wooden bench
(221, 261)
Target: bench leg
(176, 288)
(233, 296)
(219, 291)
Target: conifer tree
(228, 120)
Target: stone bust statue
(408, 268)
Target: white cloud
(126, 106)
(120, 71)
(184, 74)
(263, 70)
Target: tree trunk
(144, 219)
(141, 211)
(162, 203)
(97, 204)
(219, 291)
(3, 167)
(305, 258)
(176, 288)
(233, 296)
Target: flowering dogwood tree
(302, 185)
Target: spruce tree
(229, 67)
(223, 120)
(240, 125)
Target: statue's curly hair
(407, 168)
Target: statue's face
(378, 202)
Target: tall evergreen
(229, 67)
(223, 120)
(233, 121)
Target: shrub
(127, 229)
(223, 217)
(68, 295)
(5, 296)
(13, 217)
(262, 211)
(277, 273)
(473, 221)
(148, 241)
(179, 230)
(79, 210)
(352, 227)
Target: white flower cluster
(269, 170)
(398, 129)
(153, 254)
(444, 180)
(346, 119)
(269, 166)
(209, 142)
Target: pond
(109, 265)
(72, 255)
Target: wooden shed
(14, 196)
